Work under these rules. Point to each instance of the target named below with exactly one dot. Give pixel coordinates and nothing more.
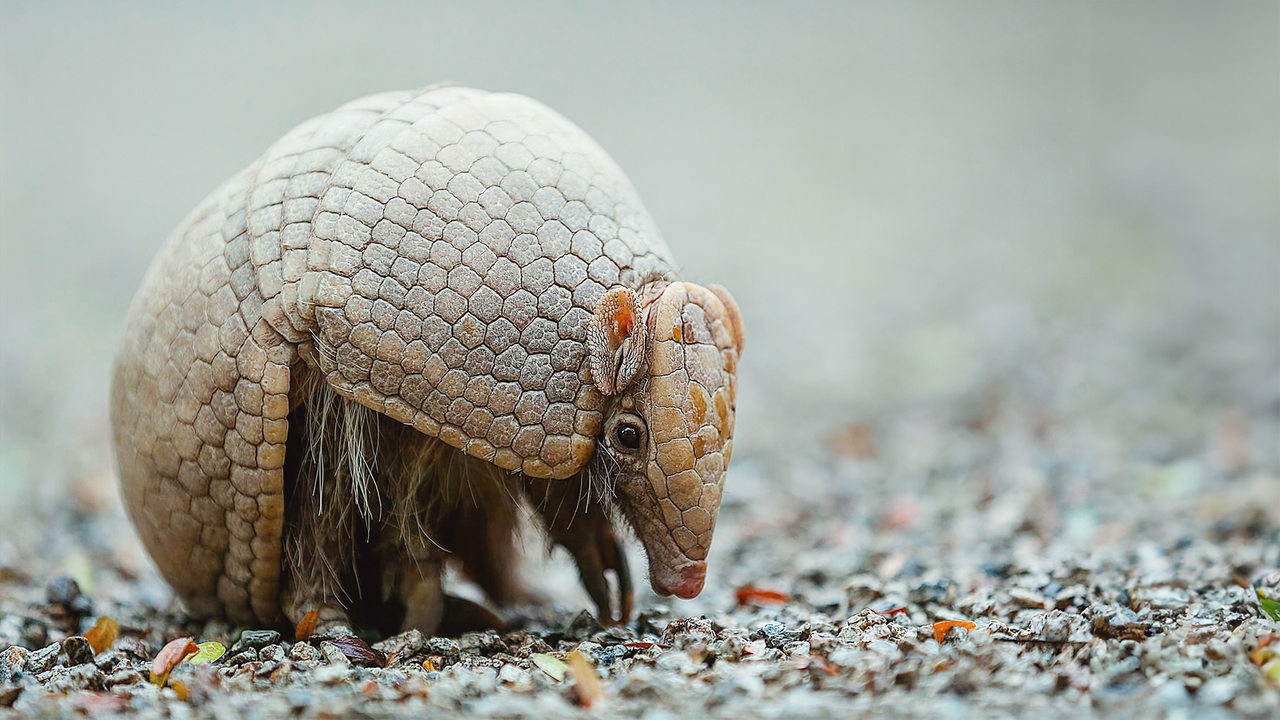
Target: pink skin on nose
(684, 582)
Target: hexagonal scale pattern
(437, 253)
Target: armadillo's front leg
(580, 525)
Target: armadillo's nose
(684, 582)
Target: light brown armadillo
(349, 362)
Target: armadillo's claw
(596, 552)
(594, 559)
(616, 559)
(589, 537)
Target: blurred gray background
(901, 195)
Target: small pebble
(125, 676)
(254, 639)
(272, 653)
(13, 661)
(44, 659)
(83, 677)
(443, 646)
(108, 661)
(304, 652)
(78, 650)
(1028, 599)
(512, 674)
(240, 658)
(133, 649)
(406, 644)
(582, 627)
(333, 655)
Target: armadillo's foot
(596, 549)
(462, 616)
(585, 531)
(333, 619)
(421, 591)
(430, 610)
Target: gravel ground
(1018, 363)
(1108, 541)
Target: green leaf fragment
(550, 665)
(209, 652)
(1269, 606)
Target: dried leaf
(208, 652)
(586, 684)
(307, 625)
(1263, 653)
(750, 594)
(169, 657)
(1269, 606)
(550, 665)
(643, 645)
(103, 634)
(940, 629)
(180, 689)
(430, 665)
(899, 610)
(359, 652)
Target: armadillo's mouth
(684, 582)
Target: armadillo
(358, 359)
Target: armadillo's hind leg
(320, 541)
(418, 597)
(417, 592)
(413, 590)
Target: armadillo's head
(669, 359)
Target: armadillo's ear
(616, 341)
(733, 316)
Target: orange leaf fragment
(307, 625)
(180, 688)
(103, 634)
(761, 596)
(900, 610)
(169, 657)
(1260, 655)
(586, 684)
(940, 629)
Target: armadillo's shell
(439, 253)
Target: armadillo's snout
(685, 582)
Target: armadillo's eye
(628, 435)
